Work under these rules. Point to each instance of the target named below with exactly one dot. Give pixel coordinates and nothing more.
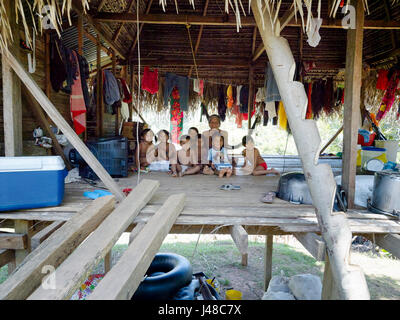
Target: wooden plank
(124, 278)
(12, 104)
(55, 249)
(23, 227)
(6, 256)
(74, 270)
(389, 242)
(241, 239)
(269, 240)
(313, 243)
(58, 119)
(42, 235)
(99, 96)
(136, 230)
(13, 240)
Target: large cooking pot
(386, 193)
(293, 187)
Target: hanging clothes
(383, 81)
(198, 86)
(313, 32)
(389, 96)
(221, 103)
(182, 83)
(150, 80)
(229, 94)
(328, 96)
(244, 99)
(265, 117)
(238, 115)
(238, 89)
(77, 102)
(127, 96)
(260, 95)
(271, 88)
(246, 114)
(275, 119)
(84, 73)
(270, 108)
(111, 88)
(282, 116)
(176, 116)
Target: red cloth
(246, 115)
(389, 96)
(77, 101)
(150, 80)
(309, 106)
(127, 94)
(383, 81)
(264, 165)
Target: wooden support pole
(55, 249)
(12, 104)
(331, 140)
(251, 96)
(114, 71)
(314, 244)
(7, 257)
(241, 239)
(99, 91)
(352, 115)
(23, 226)
(269, 240)
(389, 242)
(43, 234)
(74, 270)
(59, 120)
(124, 278)
(329, 289)
(80, 34)
(47, 83)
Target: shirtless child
(145, 152)
(186, 157)
(253, 162)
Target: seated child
(253, 162)
(188, 158)
(166, 151)
(218, 158)
(145, 151)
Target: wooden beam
(125, 277)
(94, 40)
(47, 83)
(77, 6)
(352, 115)
(314, 244)
(269, 241)
(99, 96)
(251, 96)
(260, 50)
(80, 35)
(331, 140)
(59, 120)
(12, 105)
(185, 61)
(6, 256)
(287, 17)
(42, 235)
(13, 240)
(241, 239)
(119, 29)
(74, 270)
(136, 230)
(101, 5)
(389, 242)
(38, 112)
(23, 227)
(54, 250)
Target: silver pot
(386, 193)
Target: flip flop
(229, 187)
(269, 197)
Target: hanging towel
(124, 111)
(271, 88)
(229, 94)
(270, 107)
(150, 80)
(111, 88)
(238, 115)
(77, 102)
(176, 116)
(198, 86)
(238, 89)
(282, 116)
(260, 95)
(182, 83)
(313, 33)
(382, 82)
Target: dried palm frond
(49, 8)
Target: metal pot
(386, 194)
(293, 187)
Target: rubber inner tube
(168, 273)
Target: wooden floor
(209, 209)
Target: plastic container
(391, 146)
(233, 295)
(31, 182)
(370, 153)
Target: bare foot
(174, 174)
(180, 174)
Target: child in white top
(218, 158)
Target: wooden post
(12, 104)
(47, 83)
(99, 128)
(269, 239)
(352, 116)
(329, 289)
(22, 226)
(114, 71)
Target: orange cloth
(229, 94)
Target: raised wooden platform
(207, 207)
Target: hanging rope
(191, 46)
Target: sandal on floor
(229, 187)
(269, 197)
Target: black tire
(173, 272)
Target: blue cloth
(182, 83)
(96, 194)
(215, 156)
(365, 134)
(111, 88)
(271, 88)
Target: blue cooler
(31, 182)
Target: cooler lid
(46, 163)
